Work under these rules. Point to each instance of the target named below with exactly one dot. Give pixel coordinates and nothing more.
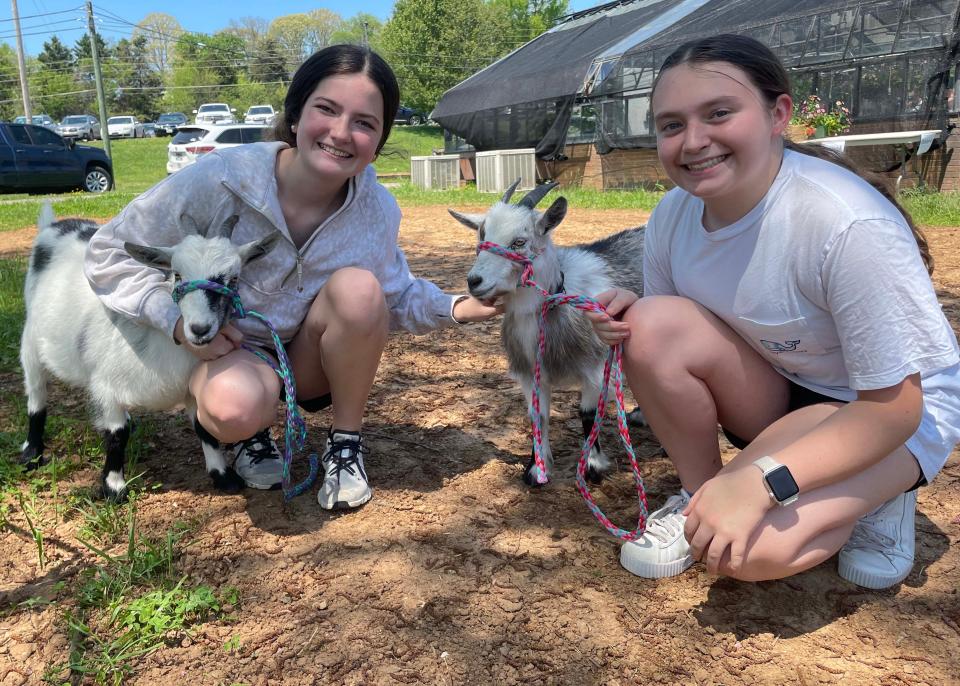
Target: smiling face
(340, 127)
(717, 137)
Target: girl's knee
(356, 296)
(658, 327)
(235, 410)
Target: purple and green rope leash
(612, 367)
(295, 428)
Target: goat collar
(526, 277)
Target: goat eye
(519, 243)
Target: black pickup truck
(34, 159)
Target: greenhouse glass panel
(926, 24)
(638, 116)
(829, 40)
(790, 38)
(877, 30)
(837, 85)
(881, 89)
(921, 83)
(583, 124)
(803, 84)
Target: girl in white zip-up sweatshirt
(333, 288)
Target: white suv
(193, 140)
(259, 114)
(214, 113)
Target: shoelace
(344, 454)
(871, 537)
(662, 525)
(259, 448)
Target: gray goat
(121, 364)
(574, 355)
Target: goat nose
(199, 330)
(473, 281)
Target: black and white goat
(121, 364)
(574, 355)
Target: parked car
(259, 114)
(38, 120)
(169, 121)
(149, 129)
(408, 115)
(83, 126)
(214, 113)
(194, 140)
(35, 159)
(124, 127)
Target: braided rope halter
(613, 366)
(295, 434)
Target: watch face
(782, 484)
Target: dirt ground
(456, 573)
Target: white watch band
(766, 463)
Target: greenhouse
(893, 63)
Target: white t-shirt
(824, 279)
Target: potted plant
(813, 119)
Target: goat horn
(509, 192)
(536, 195)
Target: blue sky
(39, 19)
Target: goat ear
(158, 258)
(471, 221)
(253, 250)
(552, 216)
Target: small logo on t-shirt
(777, 347)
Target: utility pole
(366, 40)
(24, 88)
(98, 77)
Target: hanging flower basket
(796, 133)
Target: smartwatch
(779, 481)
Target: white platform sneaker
(258, 461)
(662, 550)
(880, 551)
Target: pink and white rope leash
(612, 366)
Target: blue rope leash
(295, 428)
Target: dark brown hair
(768, 75)
(332, 61)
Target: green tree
(83, 51)
(160, 32)
(432, 46)
(357, 28)
(10, 104)
(520, 21)
(136, 84)
(267, 63)
(55, 55)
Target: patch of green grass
(406, 142)
(409, 195)
(932, 209)
(12, 313)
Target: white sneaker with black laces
(344, 480)
(662, 550)
(880, 551)
(258, 461)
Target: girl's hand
(605, 324)
(469, 309)
(226, 341)
(723, 513)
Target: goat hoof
(595, 476)
(530, 476)
(31, 457)
(635, 418)
(112, 495)
(228, 481)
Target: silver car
(79, 126)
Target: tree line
(431, 44)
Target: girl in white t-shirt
(788, 300)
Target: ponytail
(875, 180)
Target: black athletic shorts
(804, 397)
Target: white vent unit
(435, 172)
(497, 169)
